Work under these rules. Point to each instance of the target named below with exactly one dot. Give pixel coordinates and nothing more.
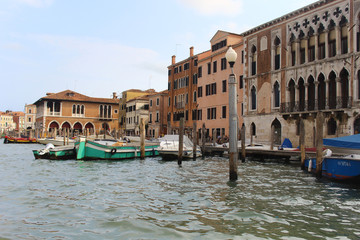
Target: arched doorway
(357, 126)
(344, 77)
(277, 134)
(77, 128)
(321, 92)
(292, 95)
(65, 125)
(311, 93)
(89, 127)
(332, 90)
(301, 94)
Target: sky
(97, 47)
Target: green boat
(101, 149)
(55, 153)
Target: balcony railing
(180, 105)
(311, 105)
(49, 113)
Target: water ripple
(153, 199)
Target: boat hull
(58, 153)
(174, 154)
(89, 150)
(8, 139)
(337, 168)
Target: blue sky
(97, 47)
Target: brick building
(77, 112)
(213, 75)
(182, 87)
(158, 109)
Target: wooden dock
(259, 153)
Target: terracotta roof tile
(69, 95)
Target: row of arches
(331, 92)
(331, 125)
(78, 127)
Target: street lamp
(233, 117)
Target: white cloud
(36, 3)
(215, 7)
(103, 66)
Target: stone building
(302, 63)
(125, 97)
(77, 112)
(136, 109)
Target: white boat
(58, 141)
(169, 147)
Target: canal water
(155, 199)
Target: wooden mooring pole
(194, 140)
(243, 151)
(302, 143)
(203, 139)
(142, 138)
(181, 141)
(319, 143)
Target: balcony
(50, 113)
(340, 103)
(180, 105)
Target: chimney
(114, 95)
(173, 60)
(191, 51)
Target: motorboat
(169, 147)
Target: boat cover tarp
(352, 141)
(175, 138)
(286, 143)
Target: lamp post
(233, 117)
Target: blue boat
(344, 161)
(345, 168)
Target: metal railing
(315, 105)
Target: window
(157, 101)
(195, 62)
(302, 51)
(186, 66)
(195, 79)
(169, 101)
(199, 92)
(180, 68)
(332, 43)
(311, 51)
(176, 70)
(150, 118)
(241, 81)
(218, 45)
(151, 103)
(223, 63)
(199, 114)
(276, 95)
(224, 86)
(277, 54)
(253, 98)
(211, 113)
(331, 127)
(200, 72)
(253, 60)
(253, 129)
(209, 68)
(157, 117)
(223, 115)
(105, 111)
(344, 40)
(211, 89)
(194, 97)
(169, 72)
(322, 46)
(214, 66)
(242, 56)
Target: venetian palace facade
(302, 63)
